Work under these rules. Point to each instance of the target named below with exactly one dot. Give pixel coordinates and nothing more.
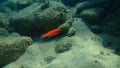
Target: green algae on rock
(34, 20)
(66, 26)
(3, 32)
(12, 47)
(96, 29)
(63, 45)
(71, 32)
(112, 23)
(92, 15)
(89, 4)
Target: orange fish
(51, 33)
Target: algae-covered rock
(35, 20)
(114, 27)
(90, 4)
(96, 29)
(5, 28)
(12, 47)
(71, 32)
(63, 45)
(49, 59)
(71, 2)
(4, 21)
(5, 9)
(92, 15)
(65, 26)
(3, 32)
(14, 34)
(114, 6)
(111, 23)
(87, 51)
(16, 4)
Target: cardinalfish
(52, 33)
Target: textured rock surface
(66, 26)
(39, 16)
(63, 45)
(5, 9)
(111, 23)
(92, 15)
(87, 48)
(71, 32)
(4, 22)
(96, 29)
(112, 42)
(114, 27)
(12, 47)
(71, 2)
(15, 4)
(3, 32)
(90, 4)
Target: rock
(49, 59)
(11, 48)
(65, 26)
(114, 6)
(84, 53)
(111, 23)
(5, 9)
(92, 15)
(96, 29)
(63, 45)
(114, 27)
(71, 32)
(16, 5)
(71, 2)
(90, 4)
(34, 19)
(4, 23)
(14, 34)
(5, 27)
(1, 15)
(3, 32)
(112, 42)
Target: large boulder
(5, 9)
(3, 32)
(63, 45)
(12, 47)
(16, 5)
(5, 28)
(39, 18)
(84, 50)
(4, 22)
(71, 2)
(112, 23)
(90, 4)
(93, 15)
(93, 11)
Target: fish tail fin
(43, 36)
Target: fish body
(51, 33)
